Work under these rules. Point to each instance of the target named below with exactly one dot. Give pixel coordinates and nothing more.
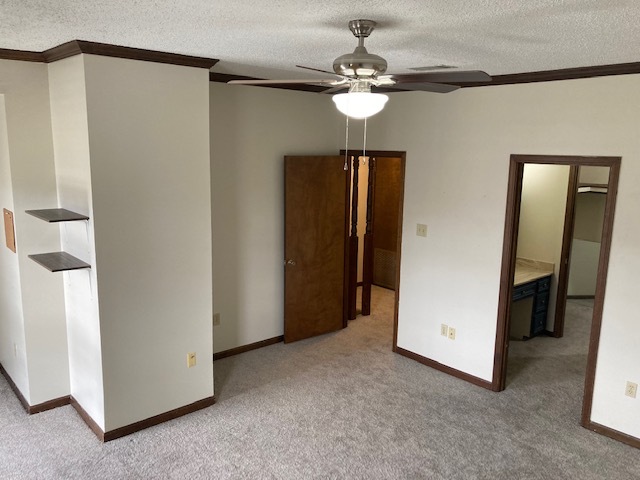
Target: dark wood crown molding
(76, 47)
(510, 79)
(22, 55)
(562, 74)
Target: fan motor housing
(360, 64)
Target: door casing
(514, 190)
(403, 159)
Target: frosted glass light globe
(360, 104)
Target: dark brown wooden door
(386, 213)
(316, 199)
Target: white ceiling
(267, 38)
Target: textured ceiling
(267, 38)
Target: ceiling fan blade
(442, 77)
(423, 86)
(322, 81)
(317, 70)
(337, 88)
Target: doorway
(507, 290)
(314, 191)
(376, 228)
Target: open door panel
(316, 202)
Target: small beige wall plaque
(9, 232)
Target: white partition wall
(150, 185)
(132, 153)
(73, 176)
(33, 346)
(126, 143)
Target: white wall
(584, 268)
(458, 147)
(587, 234)
(542, 214)
(11, 318)
(73, 176)
(150, 181)
(594, 175)
(252, 128)
(40, 368)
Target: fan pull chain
(364, 141)
(346, 146)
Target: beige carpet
(344, 406)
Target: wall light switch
(444, 330)
(421, 230)
(191, 359)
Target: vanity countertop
(529, 270)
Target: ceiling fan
(360, 71)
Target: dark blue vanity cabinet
(538, 290)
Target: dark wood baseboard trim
(157, 419)
(142, 424)
(611, 433)
(15, 389)
(248, 348)
(76, 47)
(33, 409)
(445, 369)
(50, 404)
(581, 297)
(95, 428)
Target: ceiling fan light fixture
(360, 104)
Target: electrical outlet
(191, 359)
(444, 330)
(452, 333)
(421, 230)
(216, 319)
(631, 389)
